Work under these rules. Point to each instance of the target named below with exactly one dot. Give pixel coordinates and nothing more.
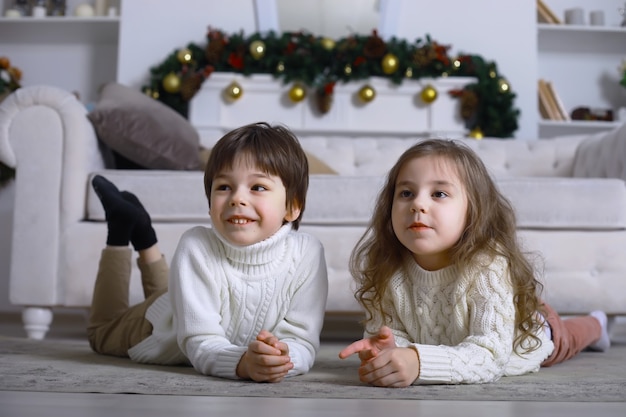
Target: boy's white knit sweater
(462, 326)
(221, 296)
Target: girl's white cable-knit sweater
(462, 326)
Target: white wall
(152, 29)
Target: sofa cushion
(144, 130)
(540, 203)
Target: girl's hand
(266, 360)
(396, 368)
(370, 347)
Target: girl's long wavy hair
(490, 229)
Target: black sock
(121, 216)
(143, 235)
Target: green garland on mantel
(319, 63)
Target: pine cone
(324, 100)
(469, 104)
(213, 51)
(190, 85)
(424, 56)
(375, 47)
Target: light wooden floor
(35, 404)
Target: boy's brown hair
(273, 149)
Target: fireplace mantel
(396, 110)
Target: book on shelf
(559, 103)
(550, 104)
(545, 14)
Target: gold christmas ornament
(328, 44)
(184, 56)
(476, 133)
(492, 74)
(456, 64)
(390, 63)
(257, 49)
(155, 95)
(297, 93)
(367, 93)
(409, 72)
(428, 94)
(233, 91)
(280, 67)
(503, 85)
(171, 83)
(347, 69)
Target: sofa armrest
(602, 155)
(46, 136)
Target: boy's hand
(370, 347)
(266, 360)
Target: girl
(449, 295)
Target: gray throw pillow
(144, 130)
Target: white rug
(70, 366)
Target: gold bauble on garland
(233, 91)
(503, 85)
(171, 83)
(184, 56)
(476, 133)
(367, 93)
(257, 49)
(297, 93)
(328, 44)
(390, 63)
(347, 69)
(428, 94)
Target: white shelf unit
(582, 62)
(74, 53)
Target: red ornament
(235, 61)
(358, 61)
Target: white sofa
(567, 207)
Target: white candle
(39, 11)
(84, 10)
(12, 13)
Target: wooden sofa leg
(36, 321)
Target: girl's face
(247, 204)
(428, 210)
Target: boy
(246, 297)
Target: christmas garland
(319, 63)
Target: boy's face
(429, 209)
(248, 205)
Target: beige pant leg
(154, 276)
(114, 327)
(570, 336)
